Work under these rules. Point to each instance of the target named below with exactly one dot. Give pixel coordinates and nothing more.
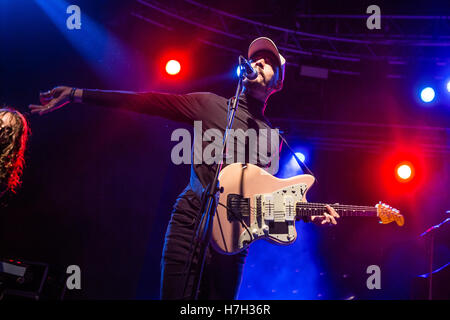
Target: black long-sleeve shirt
(206, 107)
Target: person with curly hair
(14, 133)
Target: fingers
(35, 108)
(50, 101)
(43, 96)
(51, 106)
(332, 211)
(40, 109)
(328, 219)
(332, 215)
(324, 219)
(46, 97)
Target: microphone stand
(209, 201)
(431, 231)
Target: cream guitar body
(256, 205)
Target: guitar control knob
(265, 228)
(255, 231)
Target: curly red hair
(13, 140)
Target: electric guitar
(255, 205)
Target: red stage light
(404, 171)
(173, 67)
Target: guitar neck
(316, 209)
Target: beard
(255, 87)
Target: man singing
(222, 273)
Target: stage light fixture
(448, 86)
(173, 67)
(238, 71)
(301, 156)
(404, 171)
(427, 94)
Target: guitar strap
(302, 165)
(300, 162)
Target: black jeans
(222, 274)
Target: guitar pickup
(289, 208)
(269, 207)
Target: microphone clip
(246, 70)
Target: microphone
(249, 72)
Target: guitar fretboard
(316, 209)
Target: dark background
(99, 184)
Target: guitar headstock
(388, 214)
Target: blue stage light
(301, 156)
(427, 94)
(448, 86)
(105, 52)
(290, 167)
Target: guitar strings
(341, 206)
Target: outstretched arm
(182, 108)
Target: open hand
(52, 100)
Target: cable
(238, 218)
